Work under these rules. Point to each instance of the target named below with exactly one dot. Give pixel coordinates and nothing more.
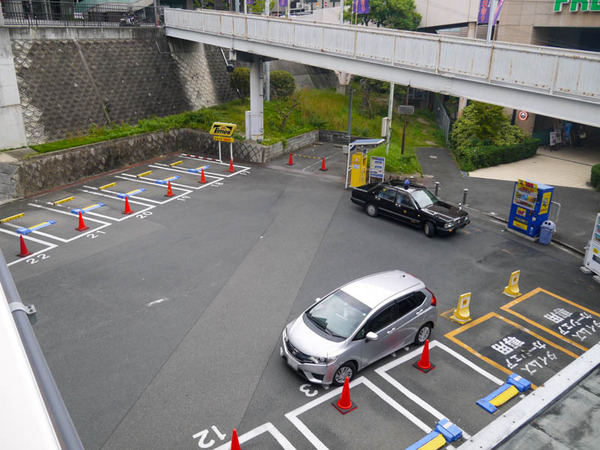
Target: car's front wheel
(429, 229)
(346, 370)
(372, 210)
(423, 334)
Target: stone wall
(70, 78)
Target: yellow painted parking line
(307, 156)
(176, 163)
(64, 200)
(509, 305)
(143, 174)
(8, 219)
(106, 186)
(453, 338)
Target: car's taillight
(433, 300)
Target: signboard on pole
(377, 169)
(223, 129)
(223, 138)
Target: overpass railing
(557, 72)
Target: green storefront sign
(577, 5)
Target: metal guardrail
(482, 67)
(34, 13)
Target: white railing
(556, 72)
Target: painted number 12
(203, 435)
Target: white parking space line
(415, 398)
(266, 428)
(314, 440)
(217, 181)
(51, 236)
(129, 177)
(50, 246)
(132, 201)
(238, 169)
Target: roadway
(161, 327)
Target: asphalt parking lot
(162, 326)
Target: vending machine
(530, 207)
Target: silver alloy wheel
(372, 210)
(423, 334)
(344, 371)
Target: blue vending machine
(530, 207)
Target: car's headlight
(285, 335)
(323, 359)
(448, 225)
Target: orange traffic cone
(231, 169)
(291, 160)
(344, 404)
(202, 177)
(169, 191)
(82, 226)
(423, 364)
(127, 208)
(24, 251)
(323, 168)
(235, 443)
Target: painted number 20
(203, 435)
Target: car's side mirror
(371, 336)
(317, 299)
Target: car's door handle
(391, 330)
(419, 312)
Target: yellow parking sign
(222, 129)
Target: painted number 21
(204, 435)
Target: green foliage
(397, 14)
(317, 109)
(596, 176)
(240, 81)
(259, 6)
(492, 155)
(283, 84)
(482, 124)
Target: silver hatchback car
(358, 324)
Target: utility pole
(405, 119)
(389, 119)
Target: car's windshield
(424, 198)
(339, 314)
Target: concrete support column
(254, 117)
(12, 129)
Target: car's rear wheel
(429, 229)
(423, 334)
(372, 210)
(345, 370)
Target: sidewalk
(492, 195)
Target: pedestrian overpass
(553, 82)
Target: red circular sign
(523, 115)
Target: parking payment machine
(358, 173)
(530, 207)
(592, 255)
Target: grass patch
(317, 109)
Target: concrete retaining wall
(23, 175)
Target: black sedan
(412, 204)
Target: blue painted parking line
(87, 208)
(131, 193)
(514, 385)
(198, 169)
(166, 180)
(39, 226)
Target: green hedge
(491, 155)
(596, 176)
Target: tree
(283, 84)
(483, 124)
(397, 14)
(240, 81)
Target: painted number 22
(204, 435)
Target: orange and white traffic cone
(24, 251)
(344, 404)
(231, 169)
(235, 442)
(82, 226)
(323, 167)
(202, 177)
(169, 191)
(291, 160)
(127, 208)
(423, 364)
